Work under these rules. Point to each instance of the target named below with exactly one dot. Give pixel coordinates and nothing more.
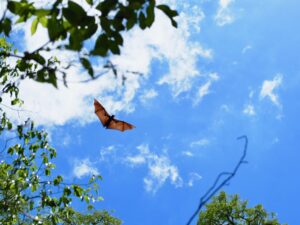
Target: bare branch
(217, 185)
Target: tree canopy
(226, 209)
(101, 24)
(30, 191)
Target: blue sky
(231, 68)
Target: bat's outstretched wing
(101, 112)
(120, 125)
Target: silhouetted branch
(216, 186)
(6, 143)
(3, 16)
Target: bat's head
(112, 116)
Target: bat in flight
(108, 121)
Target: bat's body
(108, 121)
(106, 125)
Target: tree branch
(215, 187)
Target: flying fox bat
(108, 121)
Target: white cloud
(2, 7)
(188, 153)
(194, 16)
(160, 169)
(193, 178)
(136, 160)
(49, 106)
(249, 110)
(107, 153)
(204, 89)
(84, 168)
(224, 15)
(147, 95)
(200, 143)
(268, 88)
(251, 93)
(246, 49)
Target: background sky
(231, 68)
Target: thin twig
(6, 143)
(215, 187)
(87, 80)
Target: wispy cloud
(193, 178)
(246, 49)
(74, 104)
(136, 160)
(107, 153)
(204, 89)
(224, 16)
(147, 95)
(268, 88)
(200, 143)
(187, 153)
(83, 168)
(249, 110)
(160, 169)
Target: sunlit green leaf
(34, 25)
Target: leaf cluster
(30, 192)
(70, 25)
(230, 210)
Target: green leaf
(90, 2)
(150, 13)
(75, 40)
(131, 22)
(42, 12)
(5, 26)
(169, 12)
(21, 19)
(10, 151)
(34, 25)
(86, 198)
(44, 21)
(67, 191)
(47, 172)
(36, 57)
(114, 48)
(57, 180)
(77, 190)
(46, 76)
(105, 24)
(166, 9)
(55, 29)
(9, 125)
(100, 198)
(16, 101)
(106, 6)
(14, 7)
(88, 31)
(101, 46)
(142, 21)
(31, 205)
(52, 78)
(118, 24)
(87, 65)
(118, 38)
(76, 15)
